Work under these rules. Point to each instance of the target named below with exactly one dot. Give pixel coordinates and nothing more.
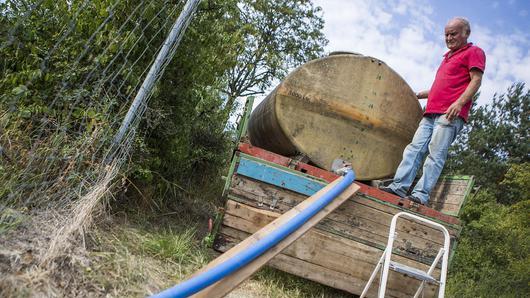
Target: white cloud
(414, 46)
(406, 49)
(508, 60)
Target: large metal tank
(345, 106)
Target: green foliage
(277, 36)
(69, 70)
(275, 283)
(496, 136)
(176, 247)
(493, 254)
(187, 140)
(55, 116)
(516, 184)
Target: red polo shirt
(452, 78)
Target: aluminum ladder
(421, 275)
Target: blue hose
(207, 278)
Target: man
(449, 100)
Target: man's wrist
(461, 102)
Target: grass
(136, 259)
(10, 219)
(269, 282)
(133, 252)
(137, 256)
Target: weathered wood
(342, 249)
(241, 221)
(449, 194)
(262, 218)
(454, 186)
(258, 192)
(358, 218)
(274, 175)
(350, 262)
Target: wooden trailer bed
(343, 249)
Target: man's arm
(455, 108)
(423, 94)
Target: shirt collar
(446, 55)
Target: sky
(408, 36)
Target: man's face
(455, 35)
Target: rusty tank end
(345, 106)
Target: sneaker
(389, 190)
(414, 199)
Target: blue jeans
(434, 135)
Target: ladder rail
(390, 243)
(372, 277)
(431, 270)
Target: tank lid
(344, 53)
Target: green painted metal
(467, 194)
(232, 169)
(456, 177)
(243, 123)
(241, 131)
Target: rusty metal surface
(264, 129)
(342, 106)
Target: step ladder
(424, 277)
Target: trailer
(342, 245)
(342, 250)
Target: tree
(233, 48)
(277, 35)
(496, 136)
(493, 253)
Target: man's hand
(453, 110)
(422, 94)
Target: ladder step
(413, 272)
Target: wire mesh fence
(64, 96)
(64, 92)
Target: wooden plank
(261, 192)
(449, 194)
(414, 247)
(264, 154)
(249, 221)
(286, 162)
(262, 233)
(392, 209)
(353, 219)
(222, 287)
(275, 176)
(439, 208)
(346, 264)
